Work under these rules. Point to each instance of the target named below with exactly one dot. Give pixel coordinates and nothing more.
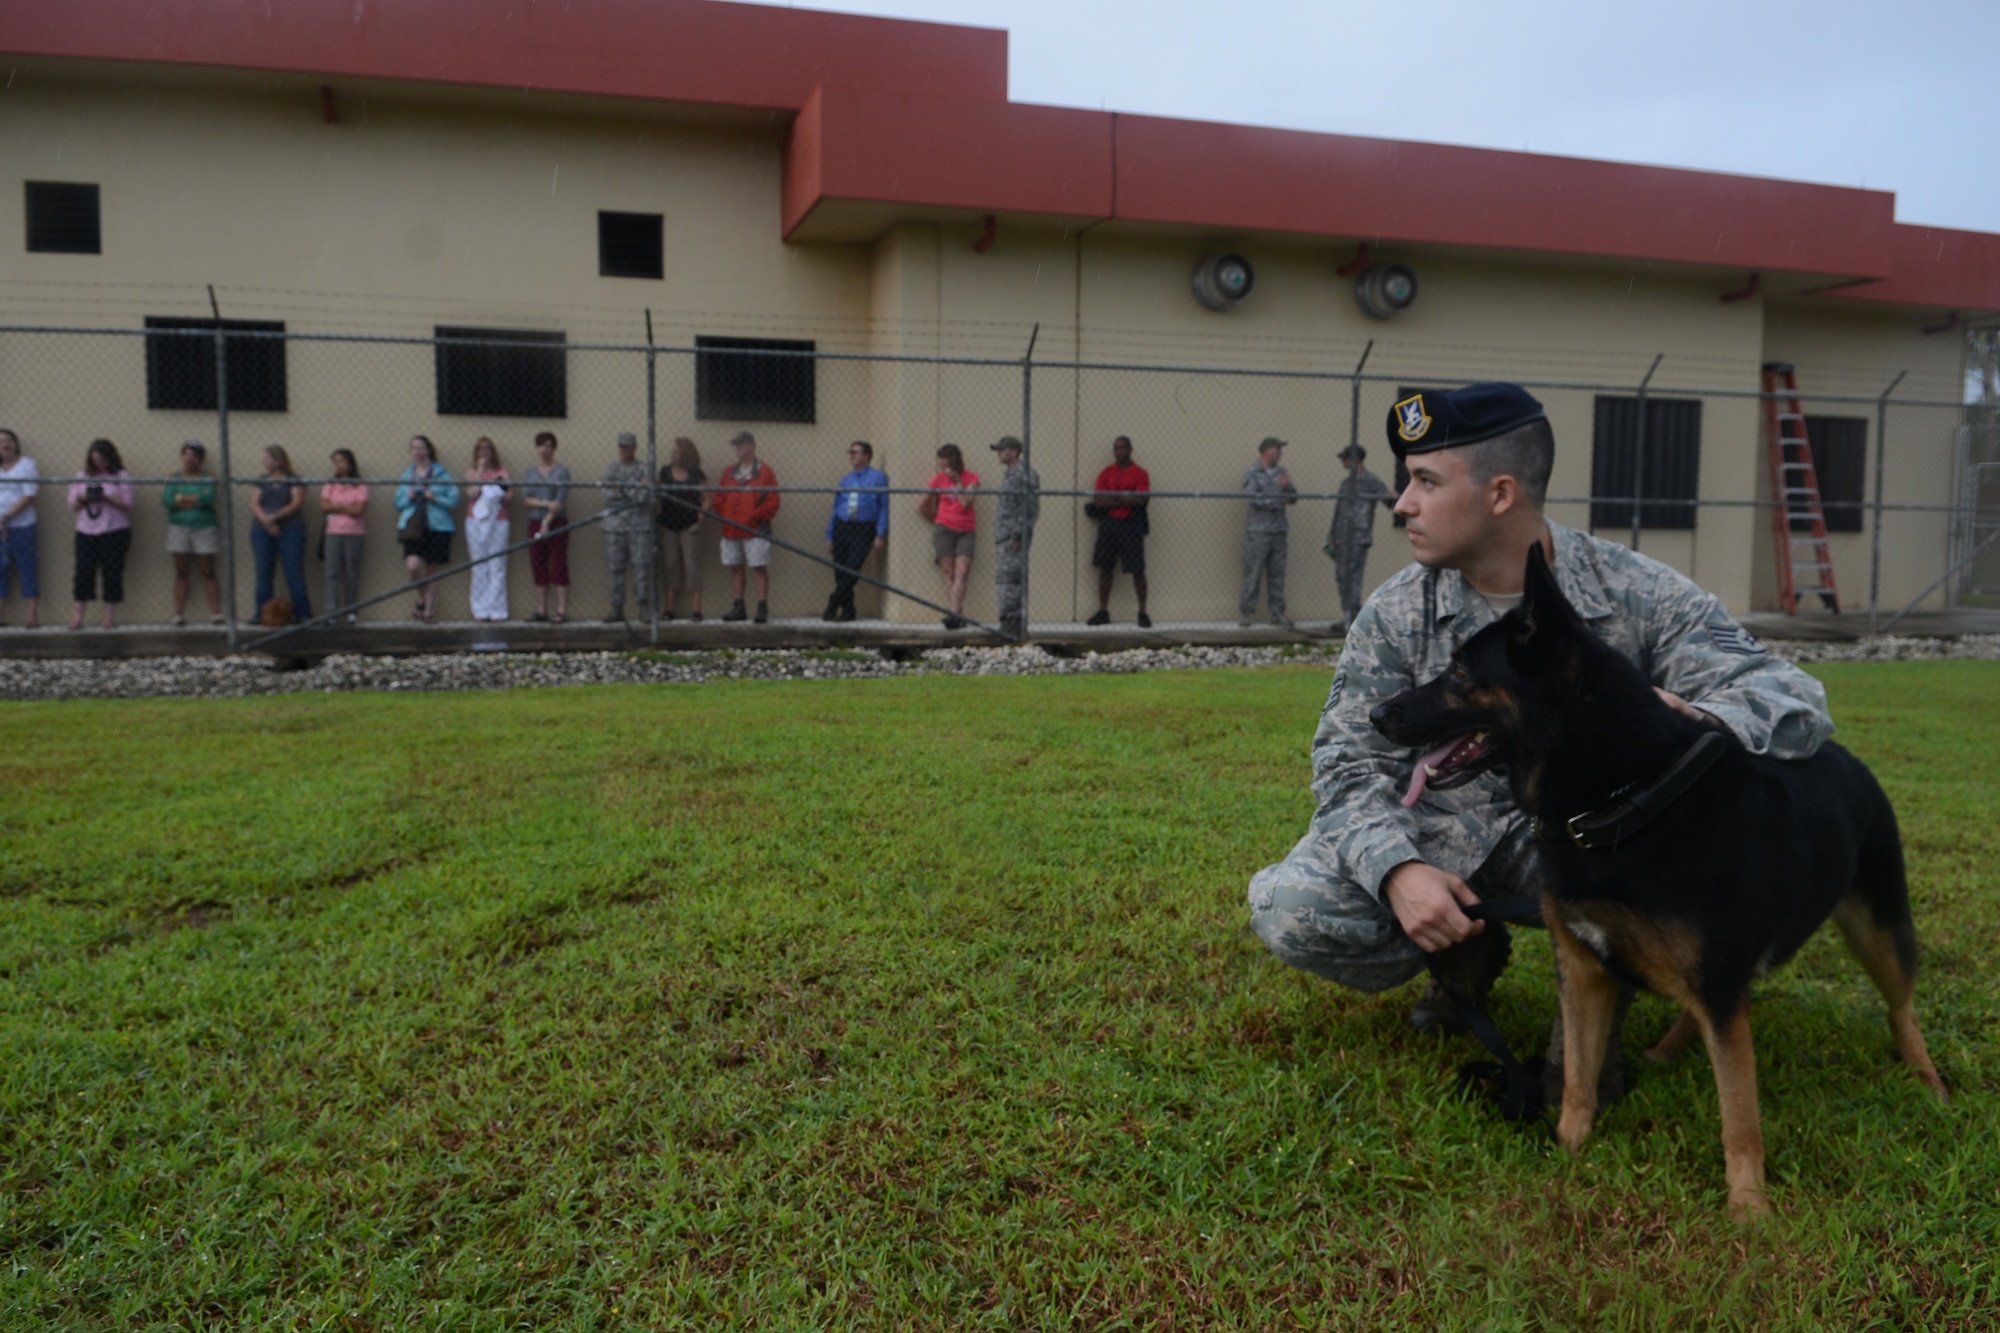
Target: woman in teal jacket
(426, 490)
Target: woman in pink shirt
(343, 500)
(101, 498)
(486, 529)
(951, 540)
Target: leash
(1522, 1102)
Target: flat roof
(898, 118)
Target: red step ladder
(1797, 518)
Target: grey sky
(1892, 96)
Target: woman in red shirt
(952, 493)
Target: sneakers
(1145, 621)
(736, 611)
(1101, 618)
(954, 622)
(845, 614)
(1243, 623)
(1281, 620)
(762, 615)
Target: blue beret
(1426, 422)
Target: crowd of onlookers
(650, 525)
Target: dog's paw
(1750, 1205)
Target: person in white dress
(486, 530)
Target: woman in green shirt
(193, 536)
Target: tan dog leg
(1670, 1046)
(1589, 1000)
(1876, 948)
(1734, 1060)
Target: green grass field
(918, 1003)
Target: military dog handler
(1387, 863)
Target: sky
(1892, 96)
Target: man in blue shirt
(859, 524)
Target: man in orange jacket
(746, 503)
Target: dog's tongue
(1424, 765)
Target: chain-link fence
(1911, 488)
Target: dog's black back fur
(1750, 861)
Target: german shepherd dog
(1690, 886)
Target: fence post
(652, 481)
(1875, 556)
(1027, 457)
(228, 475)
(1639, 452)
(1354, 400)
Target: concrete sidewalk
(404, 638)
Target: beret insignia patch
(1735, 639)
(1412, 422)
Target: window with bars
(629, 245)
(755, 379)
(501, 372)
(180, 366)
(1672, 463)
(63, 219)
(1840, 460)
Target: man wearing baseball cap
(1014, 518)
(628, 527)
(1353, 530)
(1266, 533)
(1385, 867)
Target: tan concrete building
(863, 186)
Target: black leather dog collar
(1605, 828)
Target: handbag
(418, 523)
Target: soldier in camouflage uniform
(628, 527)
(1375, 884)
(1271, 491)
(1353, 530)
(1014, 519)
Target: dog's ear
(1544, 642)
(1543, 606)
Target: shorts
(1121, 543)
(433, 548)
(193, 541)
(948, 542)
(753, 551)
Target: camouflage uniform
(1353, 532)
(1015, 515)
(1264, 538)
(628, 531)
(1320, 908)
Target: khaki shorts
(754, 551)
(193, 541)
(947, 542)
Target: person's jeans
(343, 569)
(287, 548)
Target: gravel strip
(237, 677)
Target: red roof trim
(915, 115)
(1939, 268)
(697, 51)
